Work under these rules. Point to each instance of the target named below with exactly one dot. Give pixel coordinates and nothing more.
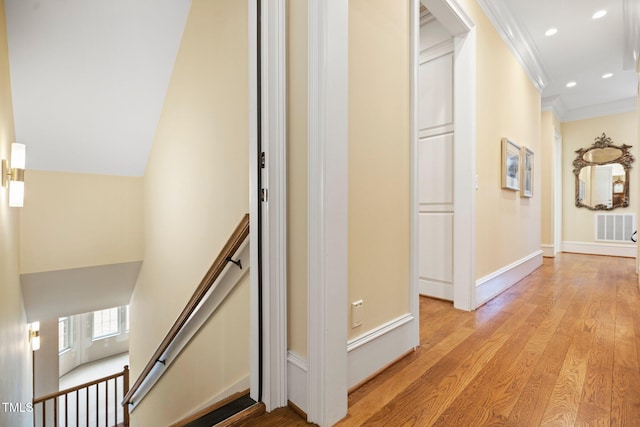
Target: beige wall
(550, 126)
(196, 190)
(15, 357)
(297, 175)
(379, 160)
(508, 227)
(65, 214)
(578, 223)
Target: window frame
(68, 337)
(108, 334)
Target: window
(64, 334)
(126, 318)
(106, 323)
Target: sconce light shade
(18, 156)
(34, 336)
(16, 194)
(13, 175)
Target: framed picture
(527, 173)
(510, 165)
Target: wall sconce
(13, 176)
(34, 335)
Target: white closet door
(435, 163)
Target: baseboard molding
(435, 289)
(608, 249)
(237, 389)
(378, 348)
(548, 251)
(493, 284)
(297, 380)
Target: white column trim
(327, 210)
(464, 158)
(414, 238)
(274, 210)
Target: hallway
(559, 348)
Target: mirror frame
(625, 159)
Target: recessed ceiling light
(599, 14)
(606, 76)
(551, 32)
(571, 84)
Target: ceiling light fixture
(607, 75)
(599, 14)
(571, 84)
(550, 32)
(13, 175)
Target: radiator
(615, 227)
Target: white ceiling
(89, 76)
(583, 50)
(88, 79)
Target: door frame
(455, 19)
(268, 222)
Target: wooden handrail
(230, 248)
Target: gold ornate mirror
(602, 175)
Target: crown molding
(555, 104)
(621, 106)
(518, 41)
(631, 17)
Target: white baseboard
(435, 289)
(491, 285)
(378, 348)
(609, 249)
(238, 387)
(548, 251)
(297, 380)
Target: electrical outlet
(356, 313)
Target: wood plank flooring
(560, 348)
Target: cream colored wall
(15, 357)
(297, 176)
(508, 227)
(550, 126)
(379, 160)
(65, 214)
(578, 223)
(196, 190)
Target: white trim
(414, 302)
(517, 40)
(451, 15)
(435, 52)
(328, 173)
(254, 362)
(608, 249)
(274, 210)
(607, 109)
(548, 251)
(493, 284)
(298, 380)
(223, 286)
(464, 163)
(378, 348)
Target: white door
(435, 160)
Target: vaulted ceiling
(88, 79)
(89, 76)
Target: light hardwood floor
(560, 348)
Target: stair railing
(231, 248)
(87, 404)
